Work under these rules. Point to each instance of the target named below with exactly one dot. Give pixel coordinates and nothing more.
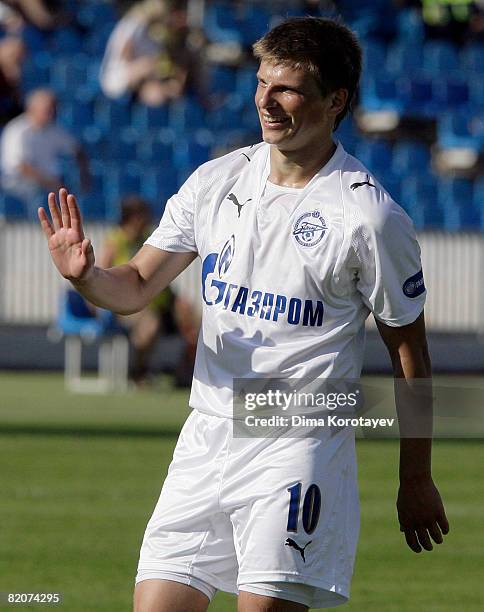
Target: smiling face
(293, 112)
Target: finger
(54, 212)
(412, 541)
(75, 214)
(45, 223)
(66, 217)
(424, 538)
(443, 523)
(86, 246)
(435, 534)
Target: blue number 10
(311, 508)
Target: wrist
(415, 478)
(85, 279)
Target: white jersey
(289, 275)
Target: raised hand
(71, 252)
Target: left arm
(420, 509)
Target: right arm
(123, 289)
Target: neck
(297, 168)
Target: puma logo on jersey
(354, 186)
(233, 198)
(290, 542)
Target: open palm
(71, 252)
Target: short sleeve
(176, 231)
(390, 277)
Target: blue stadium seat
(416, 94)
(410, 157)
(410, 26)
(186, 114)
(12, 208)
(476, 95)
(374, 56)
(455, 197)
(147, 118)
(91, 14)
(193, 151)
(94, 142)
(450, 92)
(68, 72)
(454, 131)
(380, 93)
(75, 115)
(376, 155)
(440, 57)
(391, 182)
(93, 204)
(118, 181)
(220, 23)
(250, 119)
(34, 75)
(404, 59)
(35, 40)
(112, 114)
(160, 182)
(156, 147)
(96, 40)
(478, 200)
(122, 144)
(77, 318)
(246, 82)
(473, 59)
(418, 197)
(347, 135)
(255, 20)
(377, 19)
(65, 40)
(222, 79)
(228, 115)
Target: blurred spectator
(148, 54)
(450, 20)
(165, 313)
(43, 14)
(31, 149)
(12, 54)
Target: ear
(338, 99)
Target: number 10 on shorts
(311, 507)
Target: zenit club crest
(309, 228)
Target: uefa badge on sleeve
(310, 228)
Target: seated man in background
(165, 313)
(31, 149)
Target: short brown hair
(325, 48)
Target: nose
(267, 99)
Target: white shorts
(253, 514)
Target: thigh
(168, 596)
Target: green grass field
(80, 475)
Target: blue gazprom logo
(253, 303)
(414, 286)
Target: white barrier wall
(30, 287)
